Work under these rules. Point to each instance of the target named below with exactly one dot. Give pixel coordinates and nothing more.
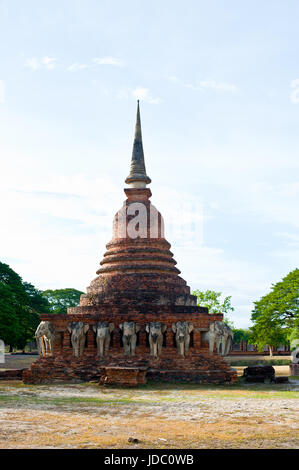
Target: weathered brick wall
(198, 366)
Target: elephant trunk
(155, 337)
(101, 347)
(39, 345)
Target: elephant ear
(147, 328)
(190, 327)
(70, 327)
(121, 325)
(95, 327)
(51, 328)
(163, 328)
(137, 327)
(173, 326)
(85, 328)
(111, 327)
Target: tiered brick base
(199, 366)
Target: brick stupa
(137, 282)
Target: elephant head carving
(78, 332)
(103, 331)
(182, 330)
(45, 335)
(129, 337)
(219, 333)
(155, 331)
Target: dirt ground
(159, 415)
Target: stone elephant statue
(155, 330)
(295, 356)
(129, 338)
(78, 332)
(219, 333)
(103, 331)
(45, 335)
(182, 330)
(227, 340)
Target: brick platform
(123, 376)
(199, 366)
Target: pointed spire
(138, 177)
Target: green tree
(265, 333)
(9, 322)
(212, 300)
(30, 313)
(20, 305)
(293, 338)
(241, 334)
(61, 299)
(276, 314)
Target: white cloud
(108, 61)
(294, 96)
(220, 86)
(49, 62)
(33, 63)
(43, 63)
(144, 95)
(2, 91)
(174, 79)
(206, 84)
(76, 66)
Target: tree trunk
(270, 351)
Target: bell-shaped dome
(138, 265)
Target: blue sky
(219, 89)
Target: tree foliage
(212, 300)
(61, 299)
(20, 305)
(293, 338)
(241, 334)
(276, 314)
